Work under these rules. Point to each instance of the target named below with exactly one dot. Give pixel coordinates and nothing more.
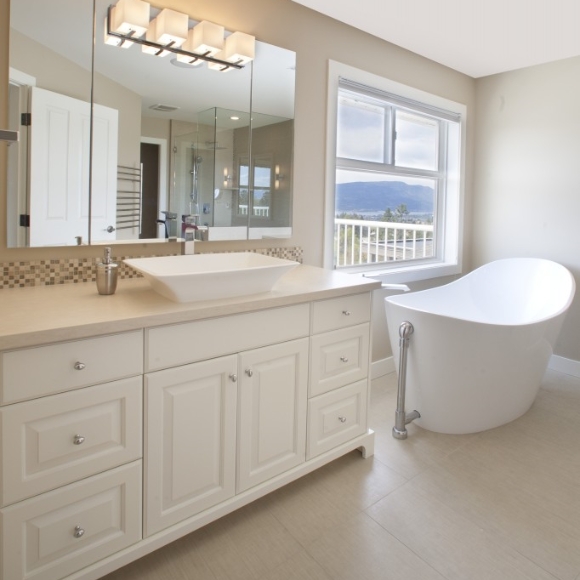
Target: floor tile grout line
(329, 572)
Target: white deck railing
(258, 210)
(366, 242)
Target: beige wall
(527, 183)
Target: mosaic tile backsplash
(76, 270)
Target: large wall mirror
(172, 144)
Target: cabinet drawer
(44, 370)
(338, 358)
(336, 417)
(55, 534)
(56, 440)
(179, 344)
(341, 312)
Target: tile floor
(501, 505)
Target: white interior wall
(527, 184)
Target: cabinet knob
(79, 366)
(342, 419)
(78, 440)
(233, 377)
(344, 359)
(79, 532)
(250, 372)
(346, 312)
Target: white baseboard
(564, 365)
(382, 367)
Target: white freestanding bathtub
(481, 344)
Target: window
(396, 196)
(255, 201)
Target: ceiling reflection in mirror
(173, 145)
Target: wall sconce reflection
(227, 177)
(277, 177)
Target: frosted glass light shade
(152, 37)
(239, 48)
(171, 26)
(204, 38)
(130, 16)
(207, 37)
(115, 40)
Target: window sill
(405, 273)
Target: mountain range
(377, 196)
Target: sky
(362, 135)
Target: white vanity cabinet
(143, 429)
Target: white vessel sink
(211, 276)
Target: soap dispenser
(107, 272)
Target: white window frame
(450, 254)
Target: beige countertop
(44, 314)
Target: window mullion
(393, 139)
(371, 167)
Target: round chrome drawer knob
(344, 358)
(233, 378)
(78, 440)
(250, 372)
(79, 366)
(342, 419)
(346, 312)
(79, 532)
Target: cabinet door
(272, 417)
(190, 445)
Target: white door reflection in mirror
(59, 154)
(106, 176)
(59, 167)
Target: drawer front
(338, 358)
(59, 439)
(336, 417)
(180, 344)
(35, 372)
(55, 534)
(341, 312)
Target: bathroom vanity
(128, 421)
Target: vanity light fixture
(227, 177)
(128, 21)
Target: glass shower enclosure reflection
(204, 186)
(232, 173)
